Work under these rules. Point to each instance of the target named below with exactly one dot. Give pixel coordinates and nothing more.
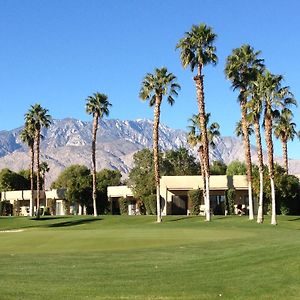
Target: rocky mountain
(68, 142)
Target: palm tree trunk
(155, 154)
(95, 127)
(273, 217)
(202, 120)
(38, 138)
(260, 214)
(200, 151)
(285, 156)
(269, 141)
(31, 205)
(247, 155)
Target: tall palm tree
(154, 87)
(274, 96)
(284, 130)
(194, 138)
(197, 51)
(36, 118)
(98, 106)
(254, 116)
(27, 136)
(242, 67)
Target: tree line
(180, 162)
(78, 181)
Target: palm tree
(254, 116)
(284, 130)
(27, 136)
(242, 67)
(154, 88)
(197, 51)
(36, 118)
(98, 106)
(194, 138)
(274, 96)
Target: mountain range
(68, 141)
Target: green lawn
(116, 257)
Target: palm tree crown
(242, 67)
(194, 135)
(197, 47)
(159, 84)
(27, 136)
(284, 128)
(97, 104)
(37, 117)
(274, 96)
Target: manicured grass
(116, 257)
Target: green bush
(6, 209)
(123, 204)
(150, 204)
(195, 201)
(284, 210)
(230, 199)
(46, 211)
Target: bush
(284, 210)
(195, 201)
(230, 200)
(52, 206)
(150, 204)
(6, 209)
(46, 211)
(123, 204)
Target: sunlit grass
(116, 257)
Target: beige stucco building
(21, 200)
(174, 192)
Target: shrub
(195, 201)
(284, 210)
(67, 207)
(6, 209)
(150, 204)
(123, 204)
(52, 206)
(230, 199)
(46, 211)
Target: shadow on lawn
(48, 218)
(73, 223)
(181, 218)
(296, 219)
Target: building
(174, 193)
(54, 199)
(116, 192)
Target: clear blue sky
(58, 52)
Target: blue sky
(58, 52)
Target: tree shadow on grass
(182, 218)
(47, 218)
(72, 223)
(296, 219)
